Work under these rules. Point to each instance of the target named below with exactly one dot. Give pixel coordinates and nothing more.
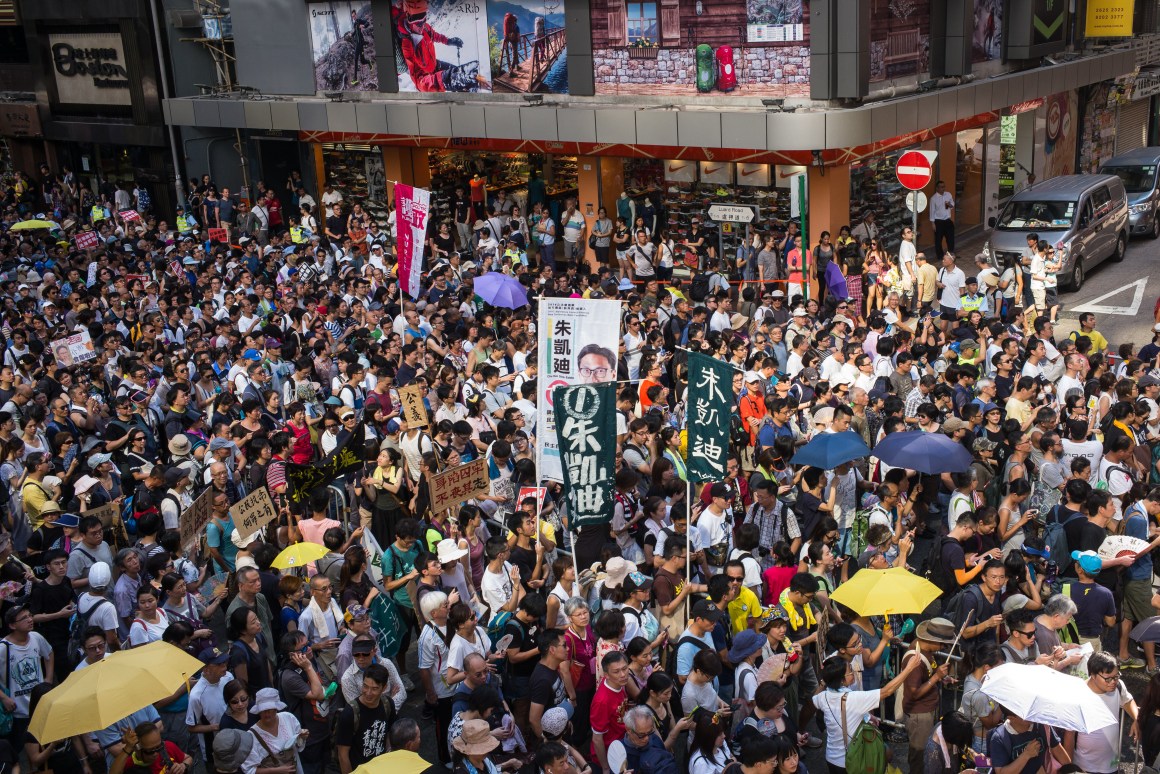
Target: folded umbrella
(1040, 694)
(829, 450)
(882, 592)
(929, 453)
(499, 289)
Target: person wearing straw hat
(920, 691)
(474, 744)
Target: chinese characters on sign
(458, 485)
(304, 479)
(710, 406)
(586, 425)
(218, 234)
(107, 513)
(414, 412)
(253, 512)
(412, 206)
(74, 349)
(193, 521)
(579, 346)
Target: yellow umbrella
(879, 592)
(30, 225)
(299, 555)
(397, 762)
(677, 295)
(109, 691)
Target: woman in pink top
(301, 450)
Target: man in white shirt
(713, 520)
(720, 320)
(908, 265)
(574, 228)
(942, 210)
(951, 281)
(207, 701)
(1039, 276)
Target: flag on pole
(586, 427)
(710, 408)
(412, 206)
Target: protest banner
(107, 513)
(412, 206)
(538, 492)
(458, 485)
(710, 407)
(578, 345)
(387, 625)
(586, 419)
(414, 412)
(193, 521)
(346, 457)
(218, 234)
(87, 240)
(77, 348)
(253, 512)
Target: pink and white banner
(412, 206)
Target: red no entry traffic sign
(913, 170)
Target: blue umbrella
(499, 289)
(929, 453)
(829, 450)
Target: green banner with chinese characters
(710, 406)
(586, 428)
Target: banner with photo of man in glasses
(578, 345)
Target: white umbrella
(1040, 694)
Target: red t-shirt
(160, 764)
(607, 716)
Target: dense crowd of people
(146, 363)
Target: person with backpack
(645, 752)
(845, 712)
(981, 602)
(948, 566)
(53, 603)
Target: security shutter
(1132, 126)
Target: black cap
(707, 610)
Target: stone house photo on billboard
(753, 47)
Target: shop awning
(595, 125)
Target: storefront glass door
(970, 158)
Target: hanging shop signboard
(90, 69)
(753, 175)
(717, 172)
(731, 213)
(1109, 18)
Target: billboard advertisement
(441, 46)
(1059, 144)
(986, 43)
(342, 46)
(528, 46)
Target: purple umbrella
(499, 289)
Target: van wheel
(1077, 277)
(1155, 225)
(1121, 248)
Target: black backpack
(933, 569)
(699, 288)
(76, 628)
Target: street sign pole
(803, 209)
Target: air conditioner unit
(185, 19)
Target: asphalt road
(1113, 291)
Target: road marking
(1128, 311)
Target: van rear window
(1024, 215)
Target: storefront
(96, 81)
(356, 171)
(508, 172)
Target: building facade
(686, 102)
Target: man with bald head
(475, 667)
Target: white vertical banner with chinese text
(578, 344)
(412, 206)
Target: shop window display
(356, 171)
(510, 172)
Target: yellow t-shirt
(1018, 409)
(746, 606)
